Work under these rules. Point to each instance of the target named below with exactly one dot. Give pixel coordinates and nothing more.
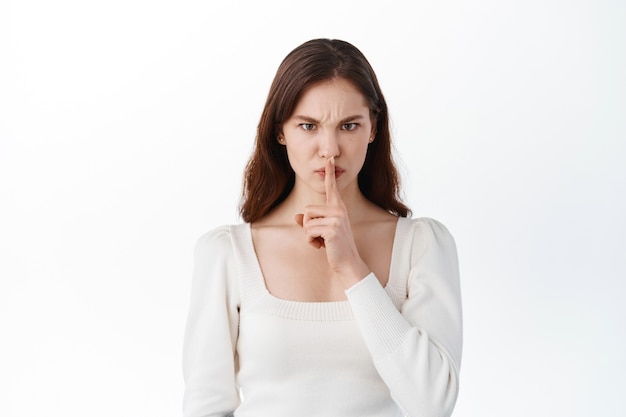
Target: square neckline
(260, 278)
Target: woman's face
(331, 119)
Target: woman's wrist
(353, 274)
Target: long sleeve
(417, 349)
(209, 352)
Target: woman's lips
(322, 172)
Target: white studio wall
(125, 127)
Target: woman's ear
(280, 137)
(373, 132)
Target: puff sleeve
(209, 351)
(417, 348)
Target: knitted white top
(383, 352)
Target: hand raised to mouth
(328, 226)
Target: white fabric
(384, 352)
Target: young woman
(328, 300)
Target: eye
(349, 126)
(307, 126)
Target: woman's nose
(329, 145)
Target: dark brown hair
(268, 178)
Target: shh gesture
(328, 226)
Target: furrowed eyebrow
(306, 119)
(349, 119)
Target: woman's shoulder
(424, 232)
(221, 238)
(426, 225)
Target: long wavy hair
(268, 177)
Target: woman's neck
(359, 208)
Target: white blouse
(383, 352)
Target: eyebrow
(344, 120)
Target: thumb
(300, 219)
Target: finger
(332, 195)
(320, 212)
(317, 242)
(315, 238)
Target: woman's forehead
(337, 97)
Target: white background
(125, 127)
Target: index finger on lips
(332, 195)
